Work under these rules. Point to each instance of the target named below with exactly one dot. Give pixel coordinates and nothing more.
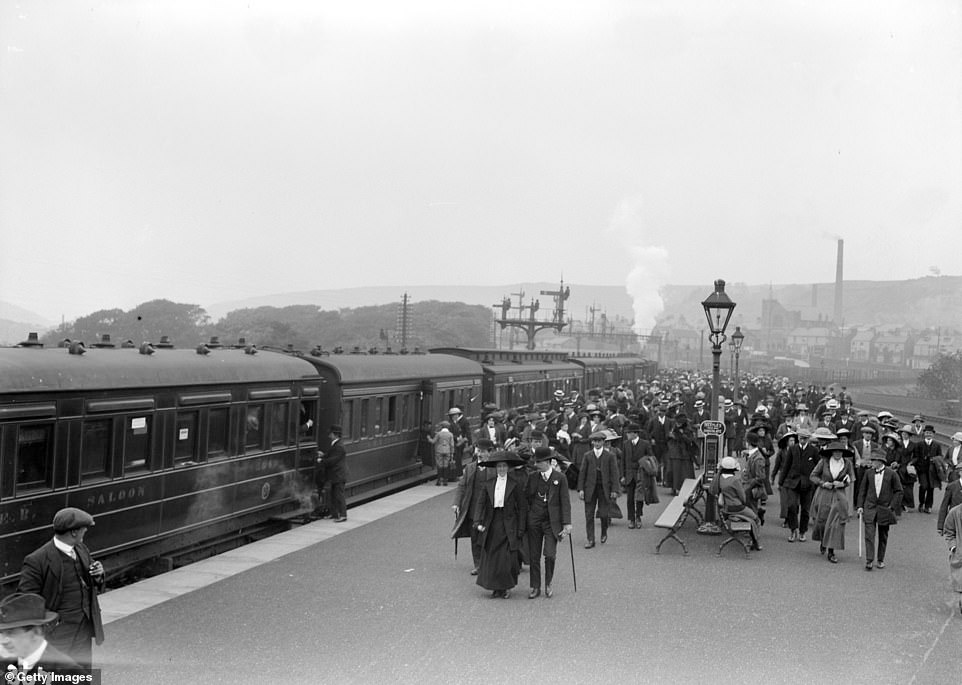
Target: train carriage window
(185, 438)
(362, 431)
(137, 443)
(391, 424)
(279, 423)
(95, 449)
(34, 445)
(218, 425)
(254, 429)
(378, 415)
(347, 419)
(306, 421)
(402, 420)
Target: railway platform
(381, 598)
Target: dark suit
(335, 469)
(796, 479)
(927, 471)
(631, 454)
(951, 498)
(52, 574)
(549, 511)
(658, 433)
(879, 510)
(598, 480)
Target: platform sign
(714, 432)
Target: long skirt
(748, 516)
(680, 469)
(830, 509)
(500, 565)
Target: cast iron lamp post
(738, 338)
(718, 310)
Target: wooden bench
(678, 510)
(734, 528)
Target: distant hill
(919, 303)
(16, 322)
(613, 300)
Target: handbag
(614, 511)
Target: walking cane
(455, 539)
(861, 534)
(574, 576)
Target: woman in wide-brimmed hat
(501, 522)
(833, 477)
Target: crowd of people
(830, 463)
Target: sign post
(711, 448)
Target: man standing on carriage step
(334, 465)
(549, 519)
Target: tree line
(431, 324)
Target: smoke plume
(649, 263)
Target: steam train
(168, 447)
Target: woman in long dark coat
(502, 517)
(682, 453)
(833, 476)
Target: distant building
(860, 347)
(892, 348)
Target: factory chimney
(838, 284)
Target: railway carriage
(521, 378)
(161, 446)
(380, 401)
(169, 448)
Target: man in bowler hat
(549, 519)
(878, 499)
(64, 574)
(334, 464)
(23, 620)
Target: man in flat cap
(68, 579)
(23, 620)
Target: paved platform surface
(382, 599)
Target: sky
(205, 151)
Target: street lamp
(738, 338)
(718, 310)
(731, 359)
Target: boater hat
(24, 609)
(728, 463)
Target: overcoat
(466, 497)
(830, 507)
(951, 498)
(953, 537)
